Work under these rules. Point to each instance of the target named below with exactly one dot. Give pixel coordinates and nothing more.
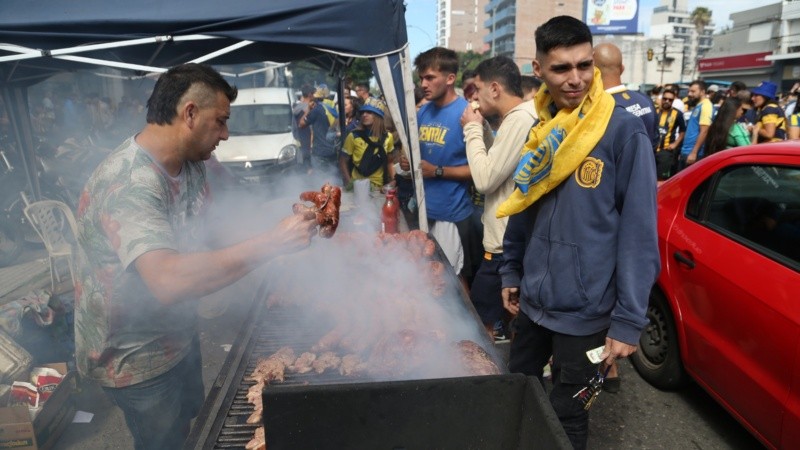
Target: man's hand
(471, 115)
(691, 159)
(404, 163)
(428, 169)
(295, 232)
(511, 299)
(614, 350)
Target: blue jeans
(158, 411)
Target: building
(459, 25)
(672, 19)
(745, 51)
(641, 73)
(511, 25)
(786, 56)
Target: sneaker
(499, 332)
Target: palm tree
(700, 17)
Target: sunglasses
(667, 99)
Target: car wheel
(658, 359)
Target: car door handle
(683, 259)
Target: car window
(757, 205)
(250, 120)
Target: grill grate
(222, 422)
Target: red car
(725, 310)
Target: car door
(737, 290)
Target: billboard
(612, 16)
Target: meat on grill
(475, 359)
(352, 365)
(273, 367)
(325, 361)
(303, 363)
(259, 441)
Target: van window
(249, 120)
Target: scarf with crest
(557, 145)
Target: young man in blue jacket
(580, 248)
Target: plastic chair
(47, 218)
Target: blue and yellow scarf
(557, 145)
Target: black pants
(532, 347)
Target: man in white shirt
(499, 93)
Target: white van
(261, 145)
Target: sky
(421, 18)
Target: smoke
(358, 293)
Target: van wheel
(658, 360)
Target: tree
(360, 71)
(700, 17)
(469, 61)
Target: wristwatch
(439, 172)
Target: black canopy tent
(149, 36)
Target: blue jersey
(701, 115)
(441, 141)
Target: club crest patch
(589, 173)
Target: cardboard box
(17, 431)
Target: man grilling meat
(142, 265)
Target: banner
(612, 16)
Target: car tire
(658, 358)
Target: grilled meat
(326, 208)
(273, 367)
(259, 441)
(325, 361)
(352, 365)
(475, 359)
(303, 363)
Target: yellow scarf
(557, 145)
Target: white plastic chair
(47, 218)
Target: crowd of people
(541, 192)
(709, 120)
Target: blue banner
(612, 16)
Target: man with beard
(580, 249)
(143, 266)
(671, 129)
(445, 171)
(697, 125)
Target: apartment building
(460, 25)
(672, 19)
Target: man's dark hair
(671, 90)
(467, 74)
(561, 31)
(700, 83)
(172, 85)
(529, 83)
(306, 90)
(437, 58)
(737, 86)
(502, 70)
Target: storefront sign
(737, 62)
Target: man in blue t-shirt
(697, 125)
(445, 171)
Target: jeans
(158, 411)
(532, 347)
